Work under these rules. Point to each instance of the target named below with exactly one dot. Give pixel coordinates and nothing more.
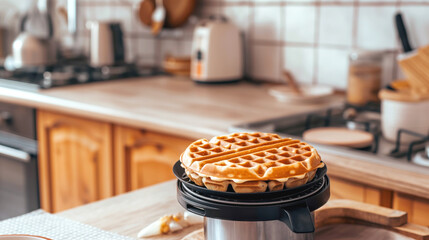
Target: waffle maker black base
(291, 206)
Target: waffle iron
(230, 212)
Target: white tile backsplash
(239, 15)
(130, 47)
(336, 25)
(416, 19)
(127, 20)
(267, 23)
(265, 62)
(299, 23)
(300, 62)
(168, 47)
(146, 47)
(333, 67)
(376, 29)
(311, 38)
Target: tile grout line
(355, 23)
(283, 48)
(250, 36)
(316, 44)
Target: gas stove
(43, 77)
(361, 118)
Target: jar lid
(367, 54)
(404, 95)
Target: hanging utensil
(145, 11)
(158, 17)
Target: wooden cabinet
(81, 161)
(343, 189)
(143, 158)
(417, 208)
(75, 161)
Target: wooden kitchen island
(128, 213)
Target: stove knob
(47, 80)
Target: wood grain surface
(128, 213)
(75, 161)
(178, 106)
(388, 175)
(163, 104)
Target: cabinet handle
(14, 153)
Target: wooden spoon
(291, 81)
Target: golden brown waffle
(250, 162)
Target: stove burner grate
(421, 139)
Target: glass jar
(365, 75)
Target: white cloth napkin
(43, 224)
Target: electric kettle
(106, 43)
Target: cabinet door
(144, 158)
(417, 208)
(75, 161)
(343, 189)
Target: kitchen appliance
(399, 111)
(4, 48)
(63, 74)
(368, 118)
(351, 220)
(18, 161)
(29, 51)
(106, 44)
(284, 214)
(217, 54)
(35, 45)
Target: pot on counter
(402, 110)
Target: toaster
(217, 54)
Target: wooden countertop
(161, 103)
(128, 213)
(181, 107)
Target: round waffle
(250, 162)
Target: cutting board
(351, 220)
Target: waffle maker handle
(298, 219)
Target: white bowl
(310, 93)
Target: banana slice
(170, 223)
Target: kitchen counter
(128, 213)
(180, 107)
(161, 103)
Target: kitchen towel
(43, 224)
